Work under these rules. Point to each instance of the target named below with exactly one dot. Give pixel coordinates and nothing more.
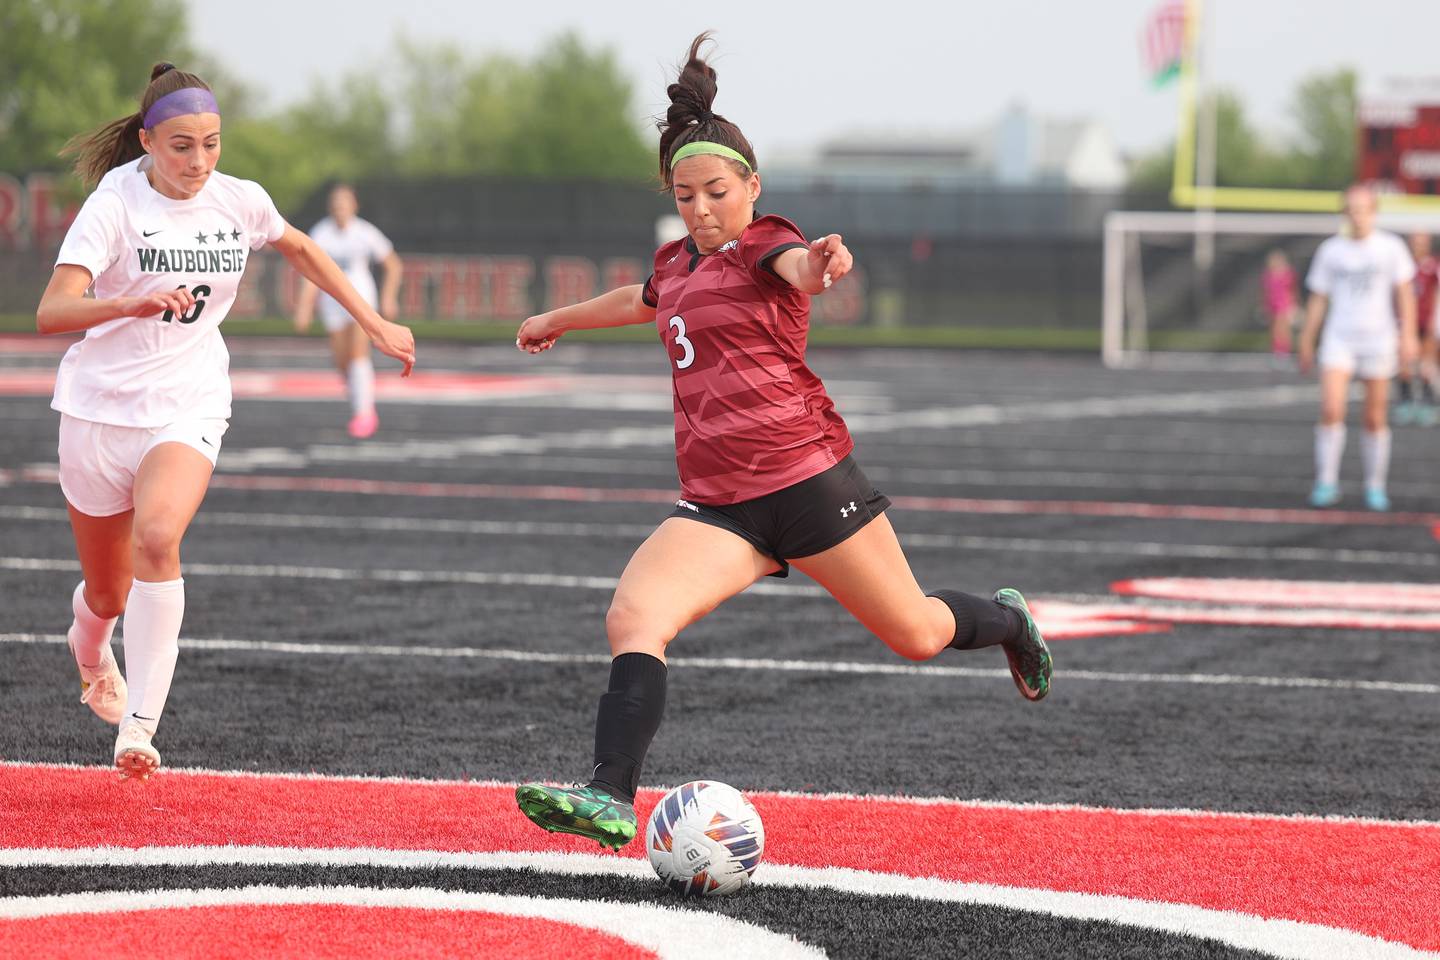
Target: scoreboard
(1399, 127)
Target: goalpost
(1157, 303)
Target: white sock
(1329, 448)
(1375, 452)
(89, 634)
(152, 642)
(360, 377)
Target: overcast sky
(793, 73)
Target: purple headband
(180, 103)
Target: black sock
(980, 622)
(627, 721)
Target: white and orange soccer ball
(704, 839)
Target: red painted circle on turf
(1377, 878)
(305, 932)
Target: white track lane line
(764, 664)
(638, 531)
(1289, 939)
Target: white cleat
(134, 755)
(102, 688)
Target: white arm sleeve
(264, 224)
(380, 245)
(1404, 263)
(93, 240)
(1318, 280)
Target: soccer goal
(1186, 286)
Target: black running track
(1199, 715)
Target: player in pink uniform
(766, 472)
(1279, 290)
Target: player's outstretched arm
(64, 308)
(316, 266)
(621, 307)
(1409, 327)
(814, 269)
(1314, 316)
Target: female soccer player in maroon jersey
(766, 472)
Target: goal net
(1181, 286)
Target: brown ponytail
(689, 117)
(118, 142)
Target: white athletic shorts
(332, 315)
(1367, 364)
(98, 461)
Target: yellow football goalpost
(1187, 192)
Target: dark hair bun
(160, 69)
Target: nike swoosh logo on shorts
(206, 442)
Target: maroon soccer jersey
(750, 416)
(1427, 277)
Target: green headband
(697, 147)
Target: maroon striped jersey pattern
(750, 416)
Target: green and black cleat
(1030, 662)
(583, 811)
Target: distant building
(1018, 150)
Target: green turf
(972, 337)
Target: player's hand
(302, 320)
(177, 301)
(1409, 352)
(396, 341)
(537, 334)
(829, 258)
(390, 308)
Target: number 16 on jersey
(678, 325)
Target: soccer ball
(704, 839)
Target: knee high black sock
(980, 622)
(627, 721)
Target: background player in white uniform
(144, 398)
(1359, 277)
(354, 244)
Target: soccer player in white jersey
(354, 244)
(144, 398)
(1356, 281)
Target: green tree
(568, 113)
(1325, 108)
(1321, 155)
(68, 66)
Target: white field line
(638, 531)
(654, 926)
(905, 799)
(351, 574)
(671, 934)
(763, 664)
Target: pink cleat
(363, 425)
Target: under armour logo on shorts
(846, 511)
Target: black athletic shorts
(801, 520)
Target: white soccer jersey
(1360, 277)
(157, 370)
(354, 248)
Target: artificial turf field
(1239, 756)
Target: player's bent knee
(106, 601)
(157, 542)
(629, 628)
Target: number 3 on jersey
(678, 325)
(201, 291)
